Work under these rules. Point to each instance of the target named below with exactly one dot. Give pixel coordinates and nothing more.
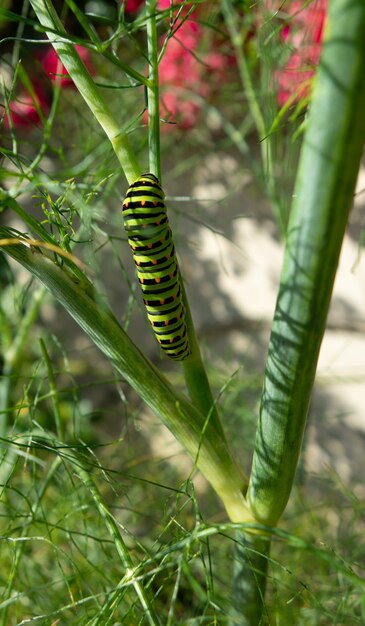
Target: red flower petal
(54, 68)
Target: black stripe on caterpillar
(150, 237)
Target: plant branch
(323, 196)
(200, 437)
(86, 86)
(153, 92)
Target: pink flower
(26, 110)
(188, 76)
(295, 78)
(178, 108)
(132, 6)
(54, 68)
(181, 76)
(303, 33)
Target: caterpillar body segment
(150, 238)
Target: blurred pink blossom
(303, 33)
(25, 110)
(178, 108)
(54, 68)
(187, 75)
(132, 6)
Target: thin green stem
(13, 356)
(48, 125)
(111, 525)
(237, 38)
(122, 550)
(20, 546)
(53, 390)
(127, 69)
(86, 86)
(85, 24)
(153, 99)
(195, 375)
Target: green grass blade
(323, 197)
(12, 358)
(121, 548)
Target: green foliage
(99, 523)
(60, 560)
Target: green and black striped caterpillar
(150, 238)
